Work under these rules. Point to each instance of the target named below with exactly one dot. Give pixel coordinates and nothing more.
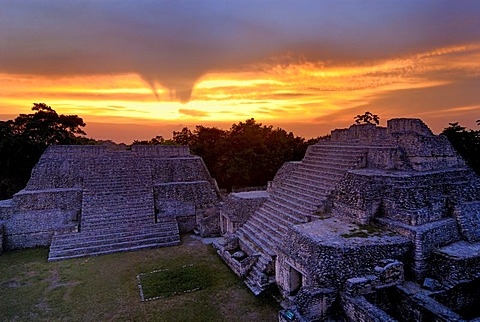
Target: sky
(140, 68)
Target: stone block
(2, 230)
(468, 219)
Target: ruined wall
(361, 133)
(238, 207)
(182, 200)
(183, 189)
(328, 264)
(36, 215)
(285, 171)
(424, 150)
(456, 264)
(52, 199)
(2, 230)
(410, 198)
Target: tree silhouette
(466, 142)
(23, 140)
(248, 154)
(367, 118)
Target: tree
(367, 118)
(46, 127)
(248, 154)
(466, 143)
(23, 141)
(158, 140)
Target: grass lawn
(106, 287)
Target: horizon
(134, 70)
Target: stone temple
(374, 224)
(90, 200)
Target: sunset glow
(302, 92)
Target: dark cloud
(174, 43)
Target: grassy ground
(105, 288)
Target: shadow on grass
(106, 287)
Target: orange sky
(299, 91)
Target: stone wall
(359, 309)
(337, 256)
(163, 151)
(238, 207)
(52, 199)
(408, 197)
(456, 264)
(2, 230)
(361, 133)
(286, 170)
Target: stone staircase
(117, 211)
(295, 201)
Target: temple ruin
(92, 200)
(374, 224)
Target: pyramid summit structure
(367, 210)
(92, 200)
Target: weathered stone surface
(97, 200)
(238, 207)
(2, 230)
(362, 212)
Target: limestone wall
(286, 170)
(410, 198)
(52, 199)
(162, 151)
(361, 133)
(184, 169)
(238, 207)
(328, 262)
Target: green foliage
(248, 154)
(367, 118)
(466, 143)
(23, 140)
(158, 140)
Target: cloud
(191, 112)
(172, 44)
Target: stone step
(102, 211)
(266, 213)
(288, 215)
(119, 203)
(315, 181)
(336, 147)
(142, 245)
(302, 194)
(259, 245)
(296, 196)
(325, 168)
(276, 223)
(104, 224)
(316, 189)
(255, 228)
(271, 231)
(93, 241)
(292, 204)
(115, 182)
(319, 173)
(337, 160)
(119, 231)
